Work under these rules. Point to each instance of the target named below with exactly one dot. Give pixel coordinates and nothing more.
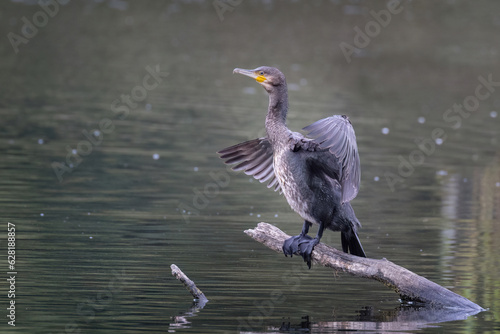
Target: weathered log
(410, 286)
(190, 286)
(181, 320)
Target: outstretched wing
(254, 157)
(336, 134)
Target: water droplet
(42, 214)
(276, 215)
(251, 213)
(156, 156)
(493, 114)
(376, 179)
(148, 107)
(421, 120)
(439, 141)
(465, 180)
(385, 131)
(195, 169)
(74, 151)
(88, 213)
(249, 90)
(442, 172)
(352, 10)
(258, 216)
(497, 184)
(90, 237)
(97, 133)
(40, 141)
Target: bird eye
(261, 73)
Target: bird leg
(306, 247)
(303, 244)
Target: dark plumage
(319, 174)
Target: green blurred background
(94, 245)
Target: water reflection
(404, 319)
(472, 229)
(181, 321)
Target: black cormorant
(319, 174)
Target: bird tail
(351, 244)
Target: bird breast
(290, 169)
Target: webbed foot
(292, 245)
(306, 249)
(301, 245)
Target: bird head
(269, 77)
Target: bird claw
(306, 249)
(300, 245)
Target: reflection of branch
(402, 319)
(410, 286)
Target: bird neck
(276, 114)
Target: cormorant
(319, 174)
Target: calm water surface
(106, 192)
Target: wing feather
(255, 158)
(336, 135)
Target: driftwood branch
(410, 286)
(189, 284)
(182, 320)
